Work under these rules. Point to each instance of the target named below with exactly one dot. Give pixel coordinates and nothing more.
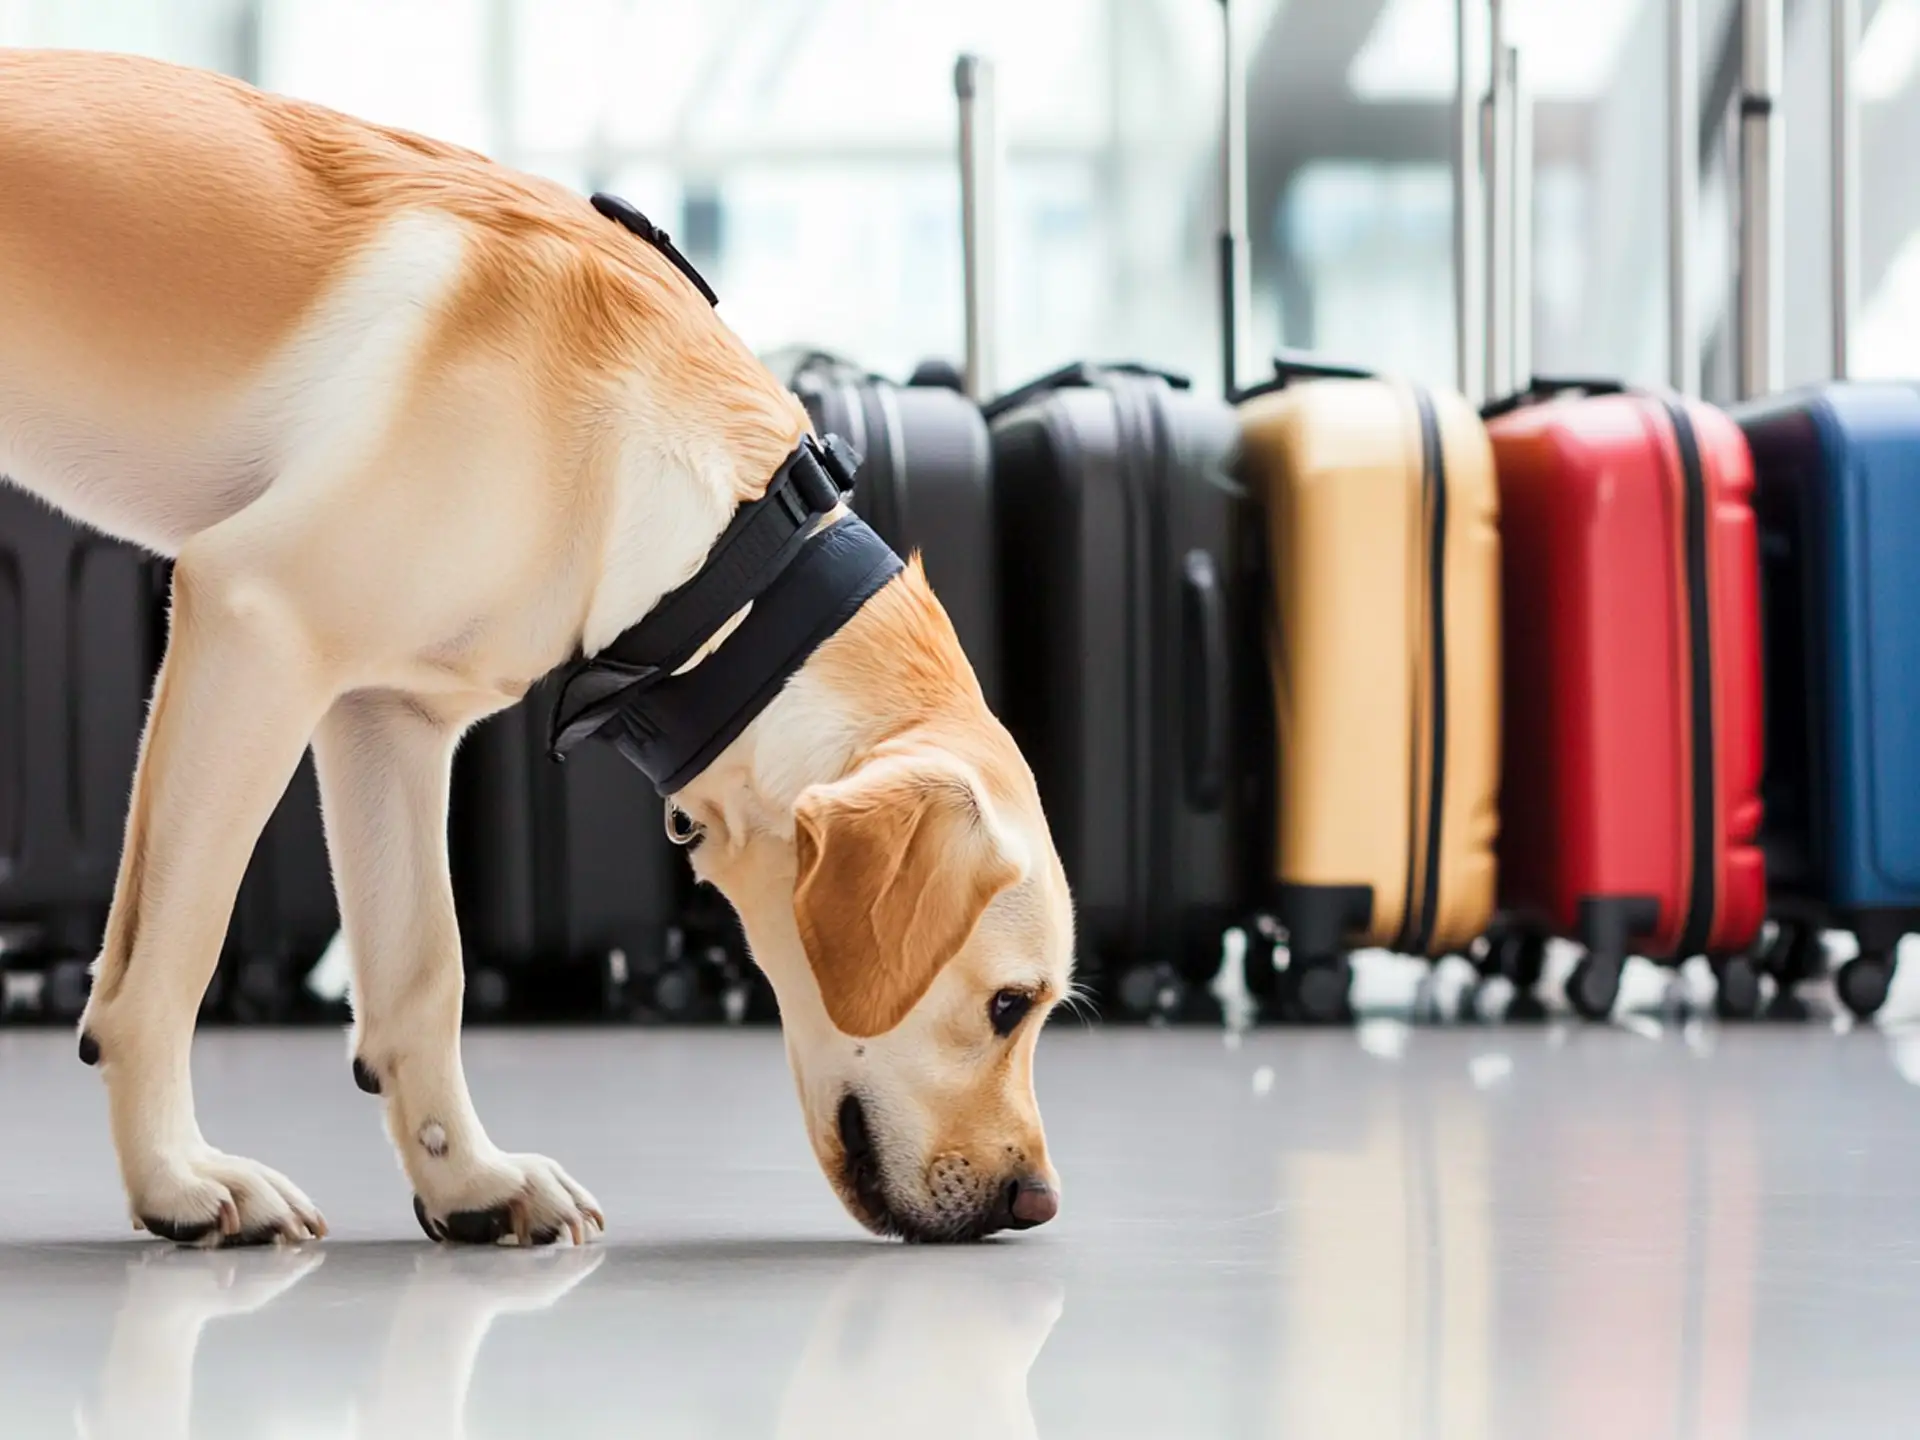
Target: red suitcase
(1630, 591)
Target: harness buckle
(841, 461)
(816, 479)
(682, 829)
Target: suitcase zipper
(1701, 899)
(1416, 929)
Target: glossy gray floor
(1457, 1232)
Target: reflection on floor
(1651, 1230)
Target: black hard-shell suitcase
(284, 916)
(80, 633)
(1131, 581)
(572, 901)
(925, 483)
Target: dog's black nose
(1025, 1203)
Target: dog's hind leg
(239, 693)
(384, 760)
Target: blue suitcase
(1837, 498)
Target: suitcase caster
(1153, 992)
(488, 994)
(1608, 926)
(1737, 994)
(1863, 983)
(1317, 989)
(262, 991)
(1793, 954)
(676, 993)
(690, 990)
(65, 996)
(1522, 957)
(1262, 976)
(1593, 987)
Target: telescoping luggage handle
(1762, 232)
(1493, 249)
(1236, 285)
(1844, 168)
(980, 163)
(1080, 375)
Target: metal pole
(502, 121)
(1469, 233)
(1236, 283)
(1520, 247)
(1683, 192)
(1846, 189)
(1499, 141)
(1762, 176)
(979, 174)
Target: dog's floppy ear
(897, 861)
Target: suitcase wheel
(1153, 992)
(1593, 987)
(68, 982)
(1257, 967)
(1863, 983)
(678, 993)
(1316, 990)
(488, 993)
(1737, 996)
(1792, 954)
(262, 992)
(1520, 956)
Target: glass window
(804, 153)
(1886, 338)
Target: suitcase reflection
(1421, 1302)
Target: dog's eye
(1007, 1009)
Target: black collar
(805, 581)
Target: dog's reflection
(885, 1341)
(924, 1343)
(146, 1384)
(434, 1340)
(419, 1388)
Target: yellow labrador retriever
(419, 429)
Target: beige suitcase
(1381, 514)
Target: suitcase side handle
(1547, 387)
(1203, 616)
(1079, 375)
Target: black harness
(803, 577)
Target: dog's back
(200, 277)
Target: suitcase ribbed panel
(1128, 614)
(1372, 517)
(1838, 499)
(1633, 662)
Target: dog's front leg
(384, 760)
(237, 697)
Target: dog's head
(914, 919)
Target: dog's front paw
(211, 1200)
(519, 1200)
